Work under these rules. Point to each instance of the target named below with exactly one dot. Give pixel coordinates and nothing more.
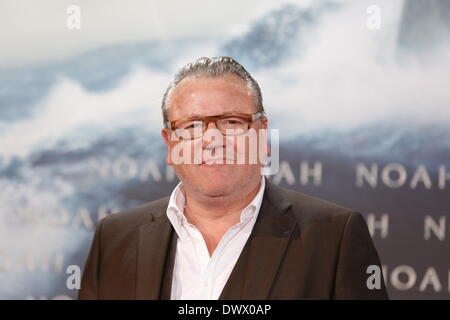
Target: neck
(216, 208)
(213, 216)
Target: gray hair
(214, 68)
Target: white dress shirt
(196, 274)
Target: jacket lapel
(257, 266)
(255, 270)
(155, 255)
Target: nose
(211, 123)
(208, 141)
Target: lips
(219, 161)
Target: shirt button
(205, 284)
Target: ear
(264, 123)
(165, 133)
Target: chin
(217, 172)
(217, 189)
(214, 180)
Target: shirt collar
(252, 209)
(175, 208)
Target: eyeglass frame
(250, 117)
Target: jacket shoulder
(136, 216)
(309, 209)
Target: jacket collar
(258, 264)
(154, 253)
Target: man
(226, 232)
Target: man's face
(200, 97)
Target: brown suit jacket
(300, 248)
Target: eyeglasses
(227, 124)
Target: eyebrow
(214, 115)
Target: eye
(234, 121)
(193, 125)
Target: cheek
(185, 152)
(244, 148)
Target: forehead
(205, 96)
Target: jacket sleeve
(356, 254)
(89, 281)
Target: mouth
(217, 161)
